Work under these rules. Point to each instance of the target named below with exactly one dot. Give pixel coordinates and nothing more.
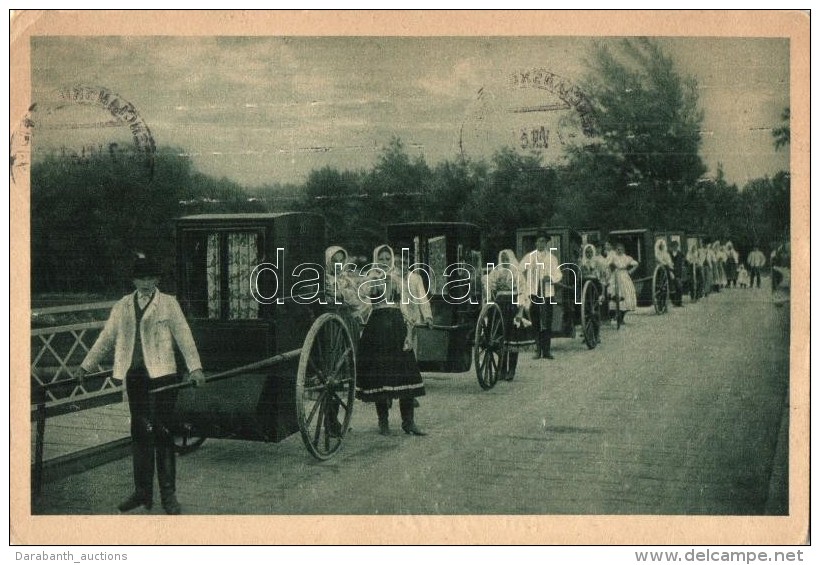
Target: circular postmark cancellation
(77, 123)
(531, 110)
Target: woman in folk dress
(731, 265)
(664, 258)
(720, 257)
(387, 369)
(622, 266)
(594, 265)
(342, 283)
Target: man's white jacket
(540, 271)
(162, 321)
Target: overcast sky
(263, 110)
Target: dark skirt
(517, 337)
(385, 370)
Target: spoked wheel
(185, 442)
(489, 345)
(326, 386)
(660, 290)
(591, 314)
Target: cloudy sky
(261, 110)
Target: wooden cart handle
(268, 362)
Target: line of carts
(281, 364)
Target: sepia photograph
(527, 281)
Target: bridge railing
(56, 351)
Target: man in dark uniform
(142, 329)
(679, 270)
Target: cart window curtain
(213, 269)
(241, 255)
(437, 259)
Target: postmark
(532, 110)
(79, 123)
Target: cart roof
(435, 224)
(629, 232)
(244, 216)
(547, 229)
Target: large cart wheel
(660, 289)
(489, 347)
(591, 314)
(326, 385)
(185, 442)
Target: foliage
(647, 152)
(89, 216)
(782, 134)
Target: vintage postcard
(409, 277)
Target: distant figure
(622, 267)
(694, 258)
(679, 269)
(756, 261)
(781, 267)
(593, 265)
(720, 264)
(731, 265)
(742, 276)
(142, 329)
(607, 253)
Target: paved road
(679, 414)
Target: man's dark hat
(145, 268)
(541, 233)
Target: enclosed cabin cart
(279, 360)
(591, 236)
(651, 278)
(578, 297)
(450, 256)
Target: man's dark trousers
(151, 438)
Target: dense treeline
(641, 169)
(90, 215)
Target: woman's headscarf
(662, 255)
(507, 257)
(588, 247)
(330, 252)
(378, 250)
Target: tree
(782, 134)
(451, 186)
(337, 195)
(517, 192)
(766, 209)
(91, 213)
(648, 126)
